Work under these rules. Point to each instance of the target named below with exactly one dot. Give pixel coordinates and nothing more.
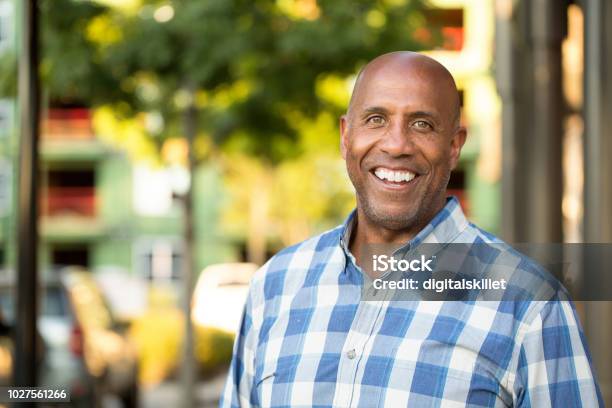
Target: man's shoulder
(325, 240)
(475, 234)
(530, 277)
(533, 289)
(523, 259)
(301, 255)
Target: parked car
(83, 348)
(109, 355)
(220, 294)
(61, 362)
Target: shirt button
(351, 354)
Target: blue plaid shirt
(307, 339)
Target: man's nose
(398, 141)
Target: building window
(70, 255)
(67, 123)
(159, 259)
(70, 193)
(443, 29)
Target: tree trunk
(188, 369)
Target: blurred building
(101, 209)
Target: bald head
(410, 66)
(403, 121)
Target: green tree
(243, 64)
(239, 72)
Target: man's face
(400, 143)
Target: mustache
(393, 163)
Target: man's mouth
(398, 177)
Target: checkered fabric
(307, 339)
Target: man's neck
(366, 232)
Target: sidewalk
(168, 394)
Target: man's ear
(343, 136)
(457, 143)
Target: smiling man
(308, 337)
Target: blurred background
(180, 144)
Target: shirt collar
(443, 228)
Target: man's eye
(422, 125)
(375, 120)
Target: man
(309, 339)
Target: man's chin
(391, 218)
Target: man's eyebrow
(374, 109)
(420, 114)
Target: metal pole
(505, 57)
(598, 167)
(528, 71)
(544, 184)
(27, 231)
(597, 221)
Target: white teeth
(395, 176)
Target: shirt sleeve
(239, 383)
(554, 367)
